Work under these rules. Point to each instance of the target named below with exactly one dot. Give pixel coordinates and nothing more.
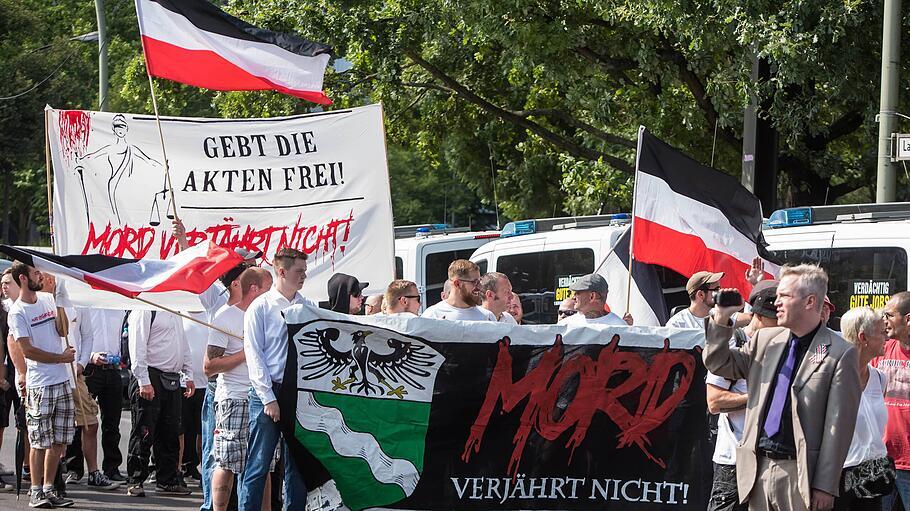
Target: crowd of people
(803, 417)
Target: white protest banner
(318, 183)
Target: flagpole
(50, 221)
(182, 315)
(167, 171)
(47, 169)
(641, 131)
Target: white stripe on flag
(353, 444)
(145, 274)
(657, 202)
(263, 60)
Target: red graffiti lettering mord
(541, 386)
(326, 240)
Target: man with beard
(463, 302)
(591, 303)
(37, 328)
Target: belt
(772, 455)
(108, 367)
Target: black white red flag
(193, 270)
(647, 303)
(690, 217)
(194, 42)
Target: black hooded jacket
(341, 288)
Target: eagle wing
(405, 363)
(318, 343)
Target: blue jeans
(901, 490)
(264, 437)
(208, 433)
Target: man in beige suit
(803, 396)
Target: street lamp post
(102, 55)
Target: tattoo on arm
(214, 352)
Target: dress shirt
(101, 330)
(782, 442)
(266, 340)
(160, 344)
(74, 335)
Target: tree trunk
(7, 184)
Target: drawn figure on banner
(121, 158)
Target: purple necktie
(781, 388)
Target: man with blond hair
(266, 346)
(496, 292)
(802, 410)
(463, 301)
(402, 297)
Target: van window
(399, 268)
(436, 271)
(856, 276)
(535, 277)
(482, 264)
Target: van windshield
(536, 277)
(857, 276)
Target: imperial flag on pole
(410, 413)
(689, 217)
(194, 42)
(192, 270)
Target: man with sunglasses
(701, 288)
(895, 363)
(402, 297)
(463, 302)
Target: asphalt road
(95, 500)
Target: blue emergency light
(519, 228)
(790, 217)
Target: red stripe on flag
(687, 254)
(204, 68)
(198, 274)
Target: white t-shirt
(196, 338)
(871, 418)
(730, 425)
(580, 319)
(233, 384)
(507, 319)
(685, 319)
(443, 310)
(36, 321)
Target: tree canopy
(533, 105)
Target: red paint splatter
(543, 385)
(75, 126)
(136, 242)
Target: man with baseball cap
(727, 398)
(590, 302)
(701, 288)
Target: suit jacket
(824, 401)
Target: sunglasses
(566, 313)
(415, 297)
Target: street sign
(900, 146)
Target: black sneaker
(99, 481)
(172, 489)
(116, 476)
(193, 473)
(39, 499)
(56, 500)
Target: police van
(543, 257)
(863, 247)
(423, 254)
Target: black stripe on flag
(90, 263)
(205, 16)
(645, 278)
(688, 177)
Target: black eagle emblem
(404, 365)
